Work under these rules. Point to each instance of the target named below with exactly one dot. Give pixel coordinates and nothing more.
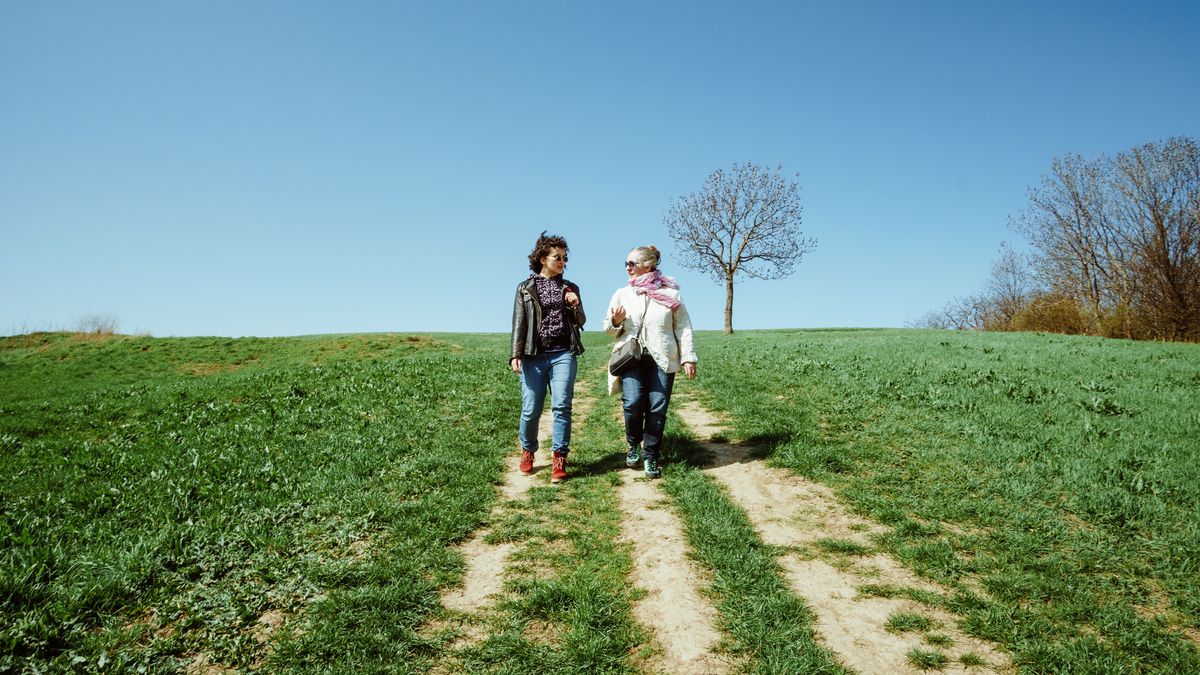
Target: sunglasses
(558, 257)
(630, 263)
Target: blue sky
(286, 168)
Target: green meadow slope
(160, 497)
(1054, 480)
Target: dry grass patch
(206, 369)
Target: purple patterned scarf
(649, 283)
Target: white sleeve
(683, 335)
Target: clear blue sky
(285, 168)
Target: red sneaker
(558, 471)
(526, 462)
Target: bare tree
(967, 313)
(1008, 289)
(1158, 185)
(97, 324)
(934, 318)
(746, 220)
(1116, 250)
(1065, 221)
(1122, 237)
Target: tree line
(1114, 250)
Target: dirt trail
(791, 511)
(681, 620)
(788, 511)
(484, 577)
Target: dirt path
(680, 619)
(672, 610)
(790, 511)
(486, 562)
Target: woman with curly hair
(650, 309)
(547, 317)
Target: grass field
(168, 503)
(1060, 474)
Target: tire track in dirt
(790, 511)
(486, 562)
(673, 610)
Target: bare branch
(1121, 238)
(744, 221)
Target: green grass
(568, 605)
(161, 497)
(903, 622)
(1060, 473)
(151, 513)
(926, 659)
(843, 547)
(939, 640)
(972, 660)
(768, 627)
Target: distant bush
(97, 324)
(1052, 313)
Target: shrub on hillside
(1052, 313)
(97, 324)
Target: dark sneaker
(526, 462)
(558, 470)
(633, 457)
(652, 470)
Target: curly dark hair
(542, 249)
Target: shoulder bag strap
(642, 321)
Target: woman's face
(554, 263)
(638, 266)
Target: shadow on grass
(600, 465)
(697, 454)
(717, 453)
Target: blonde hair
(648, 255)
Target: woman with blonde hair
(650, 309)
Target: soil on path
(673, 610)
(792, 512)
(484, 577)
(788, 511)
(681, 621)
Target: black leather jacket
(527, 317)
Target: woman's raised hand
(571, 298)
(618, 315)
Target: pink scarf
(649, 283)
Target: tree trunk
(728, 303)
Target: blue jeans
(555, 370)
(645, 393)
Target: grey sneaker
(633, 456)
(652, 470)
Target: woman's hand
(689, 368)
(571, 298)
(618, 315)
(515, 364)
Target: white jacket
(666, 334)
